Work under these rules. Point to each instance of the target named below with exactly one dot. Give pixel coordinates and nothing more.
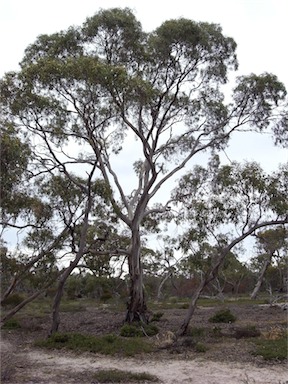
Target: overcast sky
(259, 27)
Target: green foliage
(11, 324)
(138, 330)
(15, 155)
(223, 316)
(116, 376)
(272, 349)
(108, 344)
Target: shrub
(223, 316)
(196, 332)
(12, 300)
(199, 347)
(11, 324)
(130, 330)
(117, 376)
(138, 330)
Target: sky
(259, 28)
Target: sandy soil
(22, 363)
(37, 367)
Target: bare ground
(227, 360)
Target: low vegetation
(223, 316)
(247, 332)
(110, 344)
(138, 330)
(11, 324)
(272, 349)
(117, 376)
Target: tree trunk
(22, 304)
(213, 274)
(159, 291)
(70, 268)
(183, 328)
(57, 302)
(136, 307)
(260, 278)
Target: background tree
(271, 244)
(223, 205)
(107, 82)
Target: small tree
(270, 244)
(223, 206)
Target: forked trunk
(136, 306)
(260, 278)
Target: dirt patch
(226, 359)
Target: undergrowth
(223, 316)
(108, 344)
(138, 330)
(117, 376)
(271, 349)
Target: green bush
(108, 344)
(223, 316)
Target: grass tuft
(117, 376)
(201, 348)
(157, 316)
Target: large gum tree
(108, 82)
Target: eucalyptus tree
(271, 244)
(23, 210)
(107, 82)
(222, 206)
